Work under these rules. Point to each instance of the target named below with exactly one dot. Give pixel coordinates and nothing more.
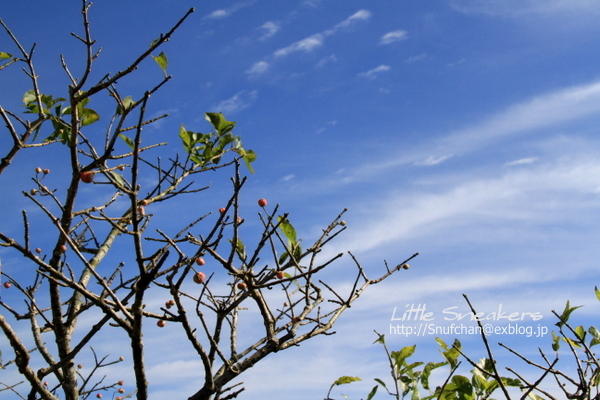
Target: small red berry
(121, 390)
(120, 383)
(199, 277)
(99, 395)
(200, 261)
(38, 170)
(142, 211)
(222, 210)
(262, 202)
(143, 202)
(62, 248)
(242, 286)
(295, 320)
(280, 275)
(38, 250)
(161, 323)
(79, 366)
(87, 177)
(121, 358)
(7, 285)
(46, 171)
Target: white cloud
(306, 45)
(372, 74)
(218, 14)
(239, 101)
(521, 161)
(361, 15)
(312, 42)
(542, 111)
(258, 68)
(395, 36)
(517, 195)
(327, 60)
(270, 28)
(224, 13)
(416, 58)
(431, 160)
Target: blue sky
(464, 130)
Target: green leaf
(555, 342)
(427, 372)
(119, 179)
(382, 383)
(572, 342)
(372, 393)
(127, 104)
(580, 332)
(239, 248)
(88, 117)
(597, 292)
(29, 97)
(219, 122)
(249, 157)
(403, 354)
(287, 229)
(342, 380)
(5, 56)
(564, 317)
(380, 339)
(162, 62)
(127, 141)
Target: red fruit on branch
(280, 275)
(200, 261)
(242, 286)
(222, 210)
(199, 277)
(86, 177)
(262, 202)
(161, 323)
(62, 248)
(7, 285)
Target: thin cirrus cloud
(270, 28)
(258, 68)
(226, 12)
(311, 42)
(556, 108)
(394, 36)
(237, 102)
(373, 73)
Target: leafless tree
(278, 275)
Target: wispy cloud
(239, 101)
(361, 15)
(550, 109)
(517, 194)
(372, 74)
(431, 160)
(310, 43)
(518, 8)
(226, 12)
(258, 68)
(521, 161)
(394, 36)
(326, 60)
(270, 28)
